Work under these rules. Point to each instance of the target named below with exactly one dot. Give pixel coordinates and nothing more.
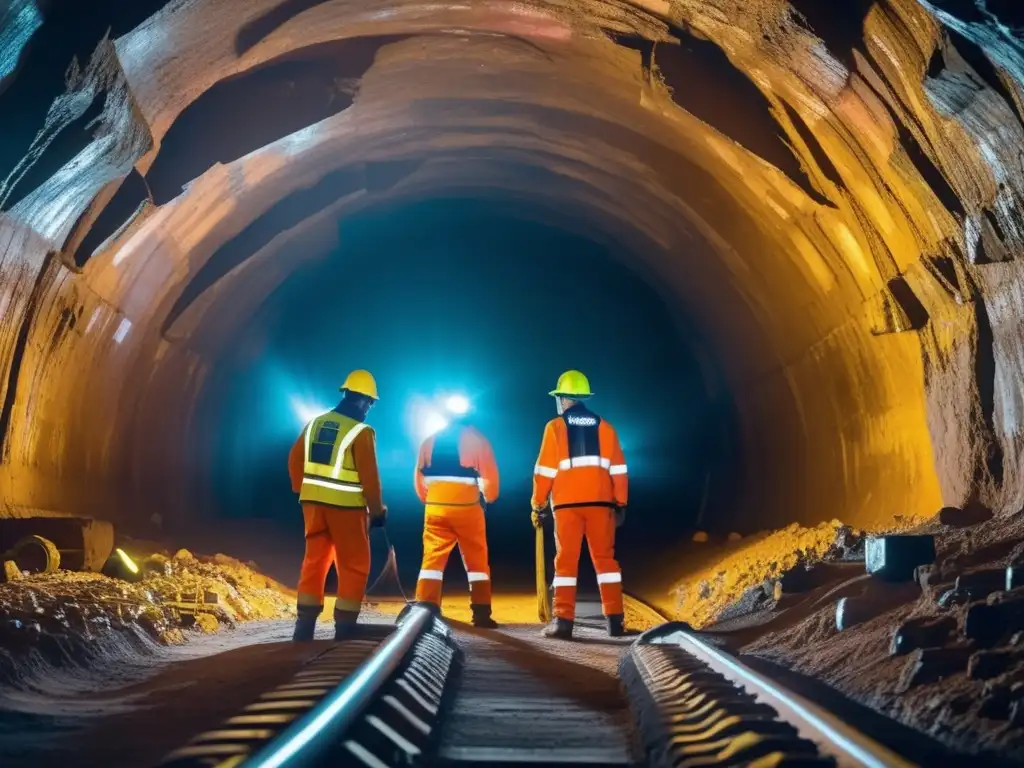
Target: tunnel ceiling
(831, 200)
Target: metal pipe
(308, 738)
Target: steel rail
(319, 731)
(849, 747)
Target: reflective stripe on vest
(332, 483)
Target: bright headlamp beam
(457, 404)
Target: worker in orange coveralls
(454, 470)
(581, 473)
(333, 468)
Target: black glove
(620, 516)
(538, 516)
(379, 520)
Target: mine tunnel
(778, 237)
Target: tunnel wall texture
(831, 197)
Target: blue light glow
(306, 410)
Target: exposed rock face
(832, 197)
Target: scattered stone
(922, 633)
(929, 665)
(206, 622)
(925, 576)
(854, 610)
(985, 665)
(894, 558)
(951, 598)
(978, 585)
(705, 590)
(986, 624)
(777, 591)
(184, 554)
(11, 572)
(960, 705)
(734, 537)
(700, 537)
(974, 513)
(157, 563)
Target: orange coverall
(453, 513)
(582, 470)
(335, 535)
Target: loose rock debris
(70, 618)
(942, 653)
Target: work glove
(538, 516)
(620, 516)
(380, 519)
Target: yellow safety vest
(336, 482)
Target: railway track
(427, 693)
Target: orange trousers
(337, 536)
(598, 525)
(443, 528)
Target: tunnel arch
(868, 382)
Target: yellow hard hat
(361, 382)
(572, 384)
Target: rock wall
(832, 198)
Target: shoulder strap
(343, 447)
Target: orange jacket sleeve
(297, 462)
(364, 453)
(546, 469)
(485, 463)
(620, 476)
(419, 482)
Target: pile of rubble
(928, 628)
(749, 572)
(69, 618)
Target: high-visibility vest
(445, 469)
(584, 461)
(329, 475)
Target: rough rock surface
(830, 198)
(963, 679)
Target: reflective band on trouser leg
(479, 588)
(428, 587)
(610, 585)
(565, 597)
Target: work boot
(616, 625)
(559, 629)
(305, 622)
(344, 624)
(482, 617)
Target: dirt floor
(957, 673)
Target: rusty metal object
(34, 554)
(84, 543)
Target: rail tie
(361, 703)
(696, 705)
